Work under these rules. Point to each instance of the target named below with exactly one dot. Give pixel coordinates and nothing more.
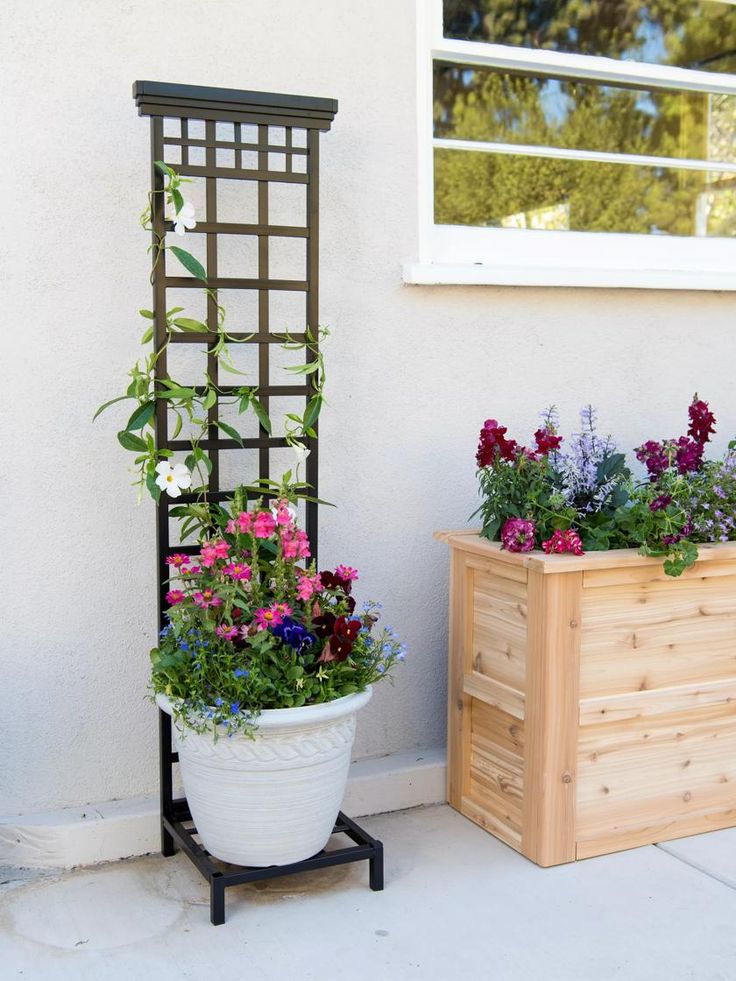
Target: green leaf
(153, 488)
(164, 168)
(147, 336)
(313, 410)
(106, 405)
(177, 392)
(303, 369)
(177, 425)
(193, 326)
(232, 433)
(210, 399)
(192, 265)
(177, 199)
(148, 314)
(261, 414)
(130, 441)
(141, 416)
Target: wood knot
(567, 777)
(687, 796)
(573, 623)
(606, 790)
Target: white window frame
(454, 254)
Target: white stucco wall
(413, 370)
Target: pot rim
(284, 717)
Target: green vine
(152, 467)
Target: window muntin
(696, 34)
(505, 191)
(503, 107)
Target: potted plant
(592, 701)
(263, 665)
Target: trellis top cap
(239, 105)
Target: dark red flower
(324, 624)
(702, 421)
(340, 644)
(654, 456)
(689, 454)
(330, 580)
(493, 444)
(547, 441)
(660, 503)
(564, 541)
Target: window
(579, 142)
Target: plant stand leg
(168, 848)
(375, 875)
(217, 900)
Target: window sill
(482, 274)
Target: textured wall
(413, 370)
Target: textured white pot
(273, 799)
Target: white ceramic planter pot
(274, 799)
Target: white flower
(173, 478)
(300, 452)
(184, 218)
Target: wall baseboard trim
(107, 832)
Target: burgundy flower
(702, 421)
(340, 644)
(517, 535)
(324, 624)
(494, 445)
(654, 456)
(564, 541)
(660, 503)
(330, 580)
(547, 441)
(688, 455)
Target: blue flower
(183, 646)
(218, 702)
(235, 708)
(292, 633)
(241, 673)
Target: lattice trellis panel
(254, 161)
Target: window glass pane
(688, 33)
(512, 191)
(501, 107)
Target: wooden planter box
(592, 700)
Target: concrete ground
(457, 904)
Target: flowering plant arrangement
(253, 625)
(576, 495)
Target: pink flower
(564, 541)
(517, 535)
(283, 609)
(295, 544)
(266, 618)
(175, 596)
(192, 570)
(284, 513)
(307, 586)
(227, 633)
(231, 527)
(346, 572)
(212, 551)
(264, 524)
(207, 598)
(245, 522)
(237, 570)
(177, 560)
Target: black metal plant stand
(259, 140)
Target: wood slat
(494, 693)
(660, 701)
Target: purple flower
(654, 456)
(688, 455)
(517, 535)
(660, 503)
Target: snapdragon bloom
(702, 421)
(264, 524)
(688, 454)
(307, 585)
(237, 571)
(212, 551)
(564, 541)
(207, 598)
(226, 632)
(284, 513)
(517, 535)
(654, 457)
(295, 543)
(547, 441)
(493, 443)
(175, 596)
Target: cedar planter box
(592, 699)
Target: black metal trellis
(261, 146)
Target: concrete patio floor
(457, 904)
